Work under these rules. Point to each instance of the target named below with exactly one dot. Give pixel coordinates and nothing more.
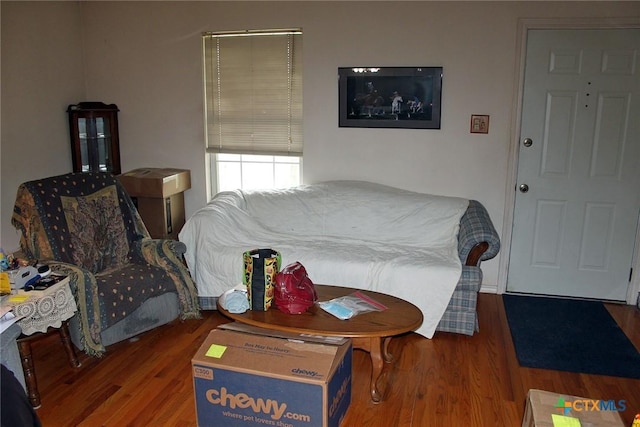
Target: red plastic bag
(294, 292)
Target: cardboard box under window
(159, 196)
(243, 379)
(155, 182)
(591, 412)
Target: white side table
(40, 313)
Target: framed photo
(390, 97)
(479, 123)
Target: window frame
(241, 63)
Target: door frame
(525, 24)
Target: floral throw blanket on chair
(86, 226)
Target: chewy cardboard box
(541, 405)
(245, 379)
(155, 182)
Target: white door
(578, 191)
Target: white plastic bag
(351, 305)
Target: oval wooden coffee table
(370, 332)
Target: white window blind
(253, 92)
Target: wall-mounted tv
(390, 97)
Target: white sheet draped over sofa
(346, 233)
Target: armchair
(86, 226)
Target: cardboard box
(245, 379)
(158, 195)
(164, 218)
(590, 411)
(155, 182)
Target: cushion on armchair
(125, 288)
(87, 227)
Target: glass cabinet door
(94, 137)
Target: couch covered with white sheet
(423, 248)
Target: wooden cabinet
(94, 137)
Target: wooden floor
(451, 380)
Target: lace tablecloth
(44, 309)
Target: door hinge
(630, 273)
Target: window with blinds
(253, 92)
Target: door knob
(524, 188)
(527, 142)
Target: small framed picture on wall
(479, 123)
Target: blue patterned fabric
(72, 218)
(87, 227)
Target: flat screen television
(390, 97)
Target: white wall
(42, 73)
(146, 58)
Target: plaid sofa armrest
(477, 237)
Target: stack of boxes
(158, 193)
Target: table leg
(68, 346)
(378, 349)
(24, 347)
(388, 357)
(26, 358)
(376, 367)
